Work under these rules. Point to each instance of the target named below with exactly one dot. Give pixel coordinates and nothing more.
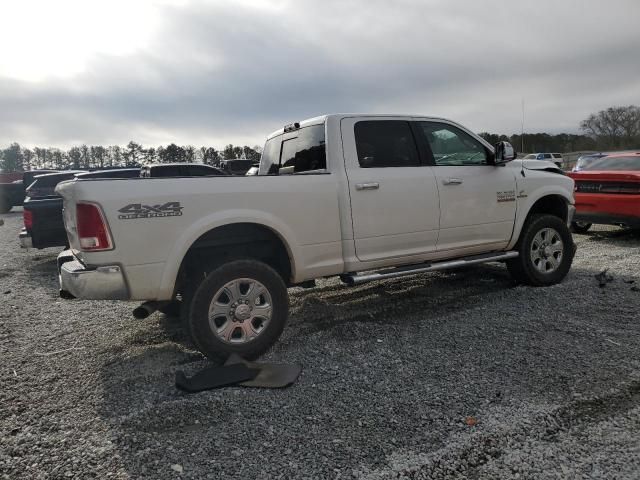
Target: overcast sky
(216, 72)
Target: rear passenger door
(394, 198)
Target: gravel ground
(448, 375)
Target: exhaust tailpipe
(147, 308)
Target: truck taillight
(27, 216)
(93, 232)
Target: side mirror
(504, 153)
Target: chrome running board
(355, 278)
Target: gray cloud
(219, 73)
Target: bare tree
(209, 155)
(615, 127)
(98, 154)
(189, 153)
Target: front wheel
(240, 307)
(546, 251)
(580, 227)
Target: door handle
(367, 186)
(452, 181)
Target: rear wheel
(546, 251)
(240, 307)
(580, 227)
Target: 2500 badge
(138, 210)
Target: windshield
(615, 163)
(583, 162)
(531, 156)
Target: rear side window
(557, 155)
(385, 143)
(301, 151)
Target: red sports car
(607, 191)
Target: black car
(43, 221)
(42, 213)
(115, 173)
(157, 170)
(11, 195)
(236, 166)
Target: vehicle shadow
(610, 234)
(334, 306)
(42, 270)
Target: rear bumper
(25, 239)
(105, 282)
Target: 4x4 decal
(138, 210)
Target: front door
(394, 198)
(477, 200)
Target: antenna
(522, 130)
(522, 141)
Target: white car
(550, 157)
(363, 197)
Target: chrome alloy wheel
(547, 250)
(240, 311)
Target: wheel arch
(553, 202)
(210, 233)
(233, 240)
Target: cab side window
(385, 143)
(451, 146)
(304, 151)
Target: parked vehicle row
(12, 188)
(550, 157)
(362, 197)
(43, 222)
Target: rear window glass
(614, 163)
(304, 150)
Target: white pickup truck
(365, 197)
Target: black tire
(171, 309)
(523, 269)
(203, 335)
(580, 227)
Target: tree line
(16, 158)
(615, 128)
